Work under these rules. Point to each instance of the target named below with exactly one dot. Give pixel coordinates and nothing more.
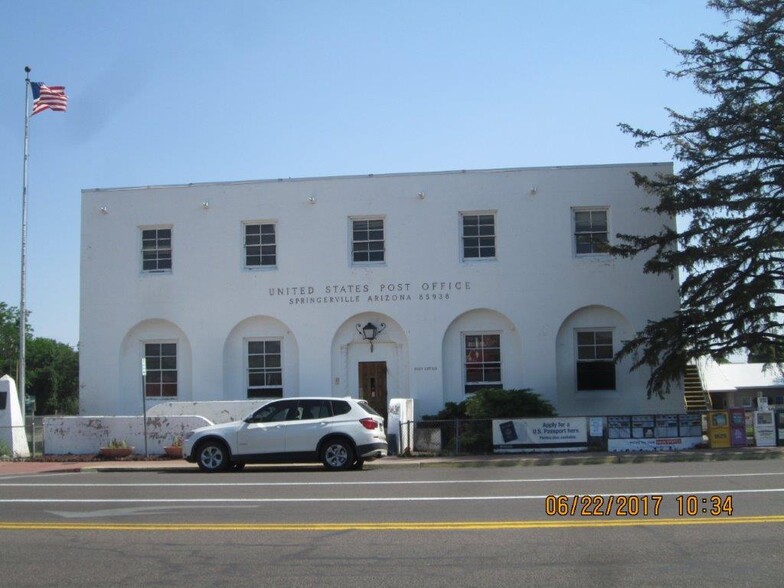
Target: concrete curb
(528, 460)
(588, 458)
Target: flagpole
(22, 305)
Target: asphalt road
(602, 525)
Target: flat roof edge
(383, 175)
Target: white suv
(340, 432)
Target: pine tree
(729, 188)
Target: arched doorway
(370, 369)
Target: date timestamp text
(632, 505)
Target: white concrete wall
(86, 435)
(165, 421)
(214, 411)
(210, 304)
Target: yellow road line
(397, 526)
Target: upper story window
(156, 250)
(595, 365)
(482, 366)
(591, 236)
(261, 249)
(367, 240)
(160, 360)
(478, 234)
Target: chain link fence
(34, 430)
(454, 436)
(34, 427)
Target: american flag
(48, 97)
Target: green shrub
(483, 405)
(451, 411)
(494, 403)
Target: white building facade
(471, 279)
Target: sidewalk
(22, 468)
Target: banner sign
(668, 444)
(535, 435)
(668, 432)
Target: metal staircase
(695, 397)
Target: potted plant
(116, 448)
(175, 449)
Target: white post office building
(413, 285)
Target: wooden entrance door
(373, 385)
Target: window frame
(261, 266)
(484, 383)
(157, 249)
(591, 210)
(595, 360)
(149, 370)
(249, 370)
(478, 214)
(352, 243)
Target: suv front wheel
(337, 454)
(212, 456)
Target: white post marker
(144, 403)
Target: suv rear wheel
(337, 454)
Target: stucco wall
(210, 304)
(214, 411)
(165, 421)
(86, 435)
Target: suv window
(367, 408)
(314, 409)
(340, 407)
(277, 411)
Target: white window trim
(573, 235)
(370, 217)
(577, 358)
(143, 357)
(244, 259)
(246, 365)
(140, 249)
(463, 335)
(461, 245)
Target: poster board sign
(690, 425)
(596, 426)
(643, 426)
(665, 444)
(540, 435)
(662, 432)
(619, 427)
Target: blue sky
(171, 91)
